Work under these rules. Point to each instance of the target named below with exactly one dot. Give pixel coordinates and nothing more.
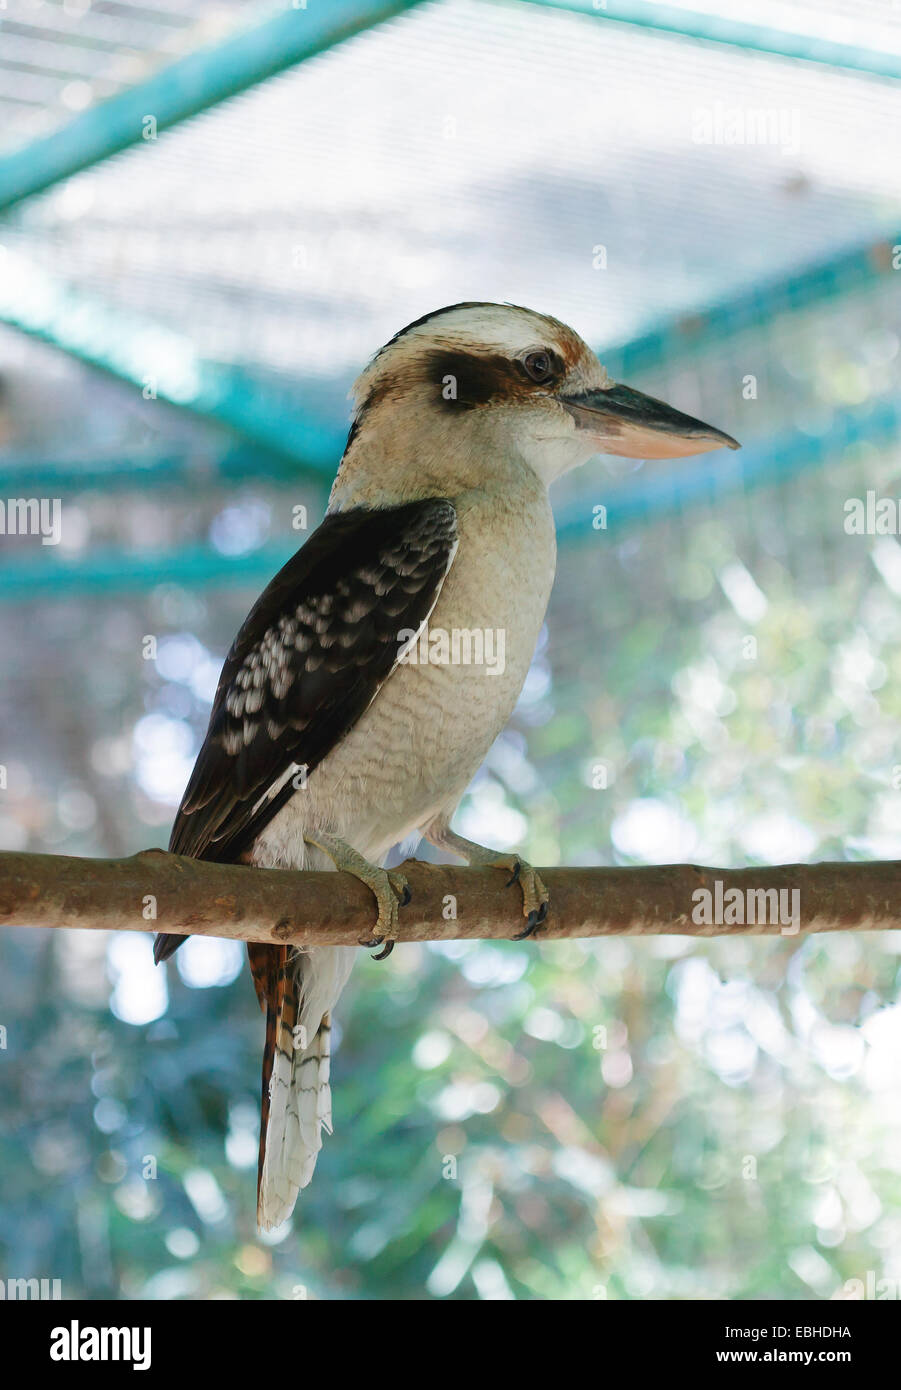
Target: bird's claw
(387, 946)
(533, 890)
(529, 928)
(534, 898)
(533, 922)
(514, 877)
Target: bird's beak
(632, 425)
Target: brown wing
(310, 657)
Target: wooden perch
(155, 891)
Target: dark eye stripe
(466, 379)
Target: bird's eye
(539, 365)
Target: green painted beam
(647, 496)
(172, 470)
(735, 33)
(699, 329)
(187, 87)
(200, 80)
(296, 438)
(113, 572)
(164, 361)
(655, 492)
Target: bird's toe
(401, 887)
(534, 901)
(514, 876)
(396, 895)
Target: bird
(330, 739)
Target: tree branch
(155, 891)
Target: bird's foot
(534, 894)
(390, 889)
(392, 894)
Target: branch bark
(281, 907)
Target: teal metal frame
(656, 492)
(293, 434)
(699, 329)
(642, 498)
(187, 87)
(170, 470)
(153, 357)
(734, 33)
(200, 80)
(293, 437)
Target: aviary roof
(58, 58)
(292, 229)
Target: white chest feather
(418, 745)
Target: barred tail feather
(298, 991)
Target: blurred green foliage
(656, 1118)
(661, 1118)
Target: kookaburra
(327, 743)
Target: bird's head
(458, 393)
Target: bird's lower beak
(632, 425)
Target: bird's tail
(297, 991)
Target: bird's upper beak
(632, 425)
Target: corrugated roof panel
(56, 59)
(295, 227)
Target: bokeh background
(211, 213)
